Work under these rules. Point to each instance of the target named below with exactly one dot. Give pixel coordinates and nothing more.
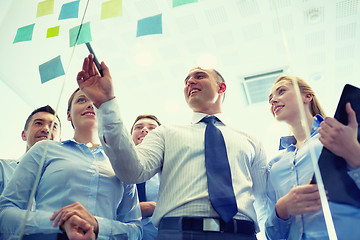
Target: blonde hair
(305, 88)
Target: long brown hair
(70, 102)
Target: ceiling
(315, 39)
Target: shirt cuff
(277, 227)
(104, 228)
(109, 112)
(44, 222)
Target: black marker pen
(97, 64)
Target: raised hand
(98, 89)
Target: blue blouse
(71, 173)
(292, 167)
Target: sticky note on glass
(45, 8)
(110, 9)
(24, 33)
(177, 3)
(51, 69)
(53, 32)
(80, 34)
(150, 25)
(69, 10)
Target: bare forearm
(281, 210)
(147, 208)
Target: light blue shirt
(71, 173)
(152, 189)
(7, 168)
(293, 167)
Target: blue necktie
(141, 191)
(221, 192)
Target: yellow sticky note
(53, 32)
(110, 9)
(45, 8)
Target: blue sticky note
(24, 33)
(69, 10)
(177, 3)
(51, 69)
(150, 25)
(80, 35)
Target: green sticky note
(150, 25)
(69, 10)
(110, 9)
(24, 33)
(51, 69)
(45, 8)
(177, 3)
(53, 32)
(80, 35)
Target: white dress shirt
(178, 151)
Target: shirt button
(356, 174)
(292, 168)
(358, 181)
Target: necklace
(91, 145)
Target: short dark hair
(145, 116)
(46, 109)
(219, 77)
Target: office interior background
(250, 42)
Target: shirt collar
(68, 141)
(197, 116)
(73, 141)
(288, 141)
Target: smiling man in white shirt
(184, 210)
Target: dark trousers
(196, 235)
(187, 228)
(43, 236)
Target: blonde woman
(294, 207)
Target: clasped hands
(76, 221)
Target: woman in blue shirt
(294, 207)
(76, 178)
